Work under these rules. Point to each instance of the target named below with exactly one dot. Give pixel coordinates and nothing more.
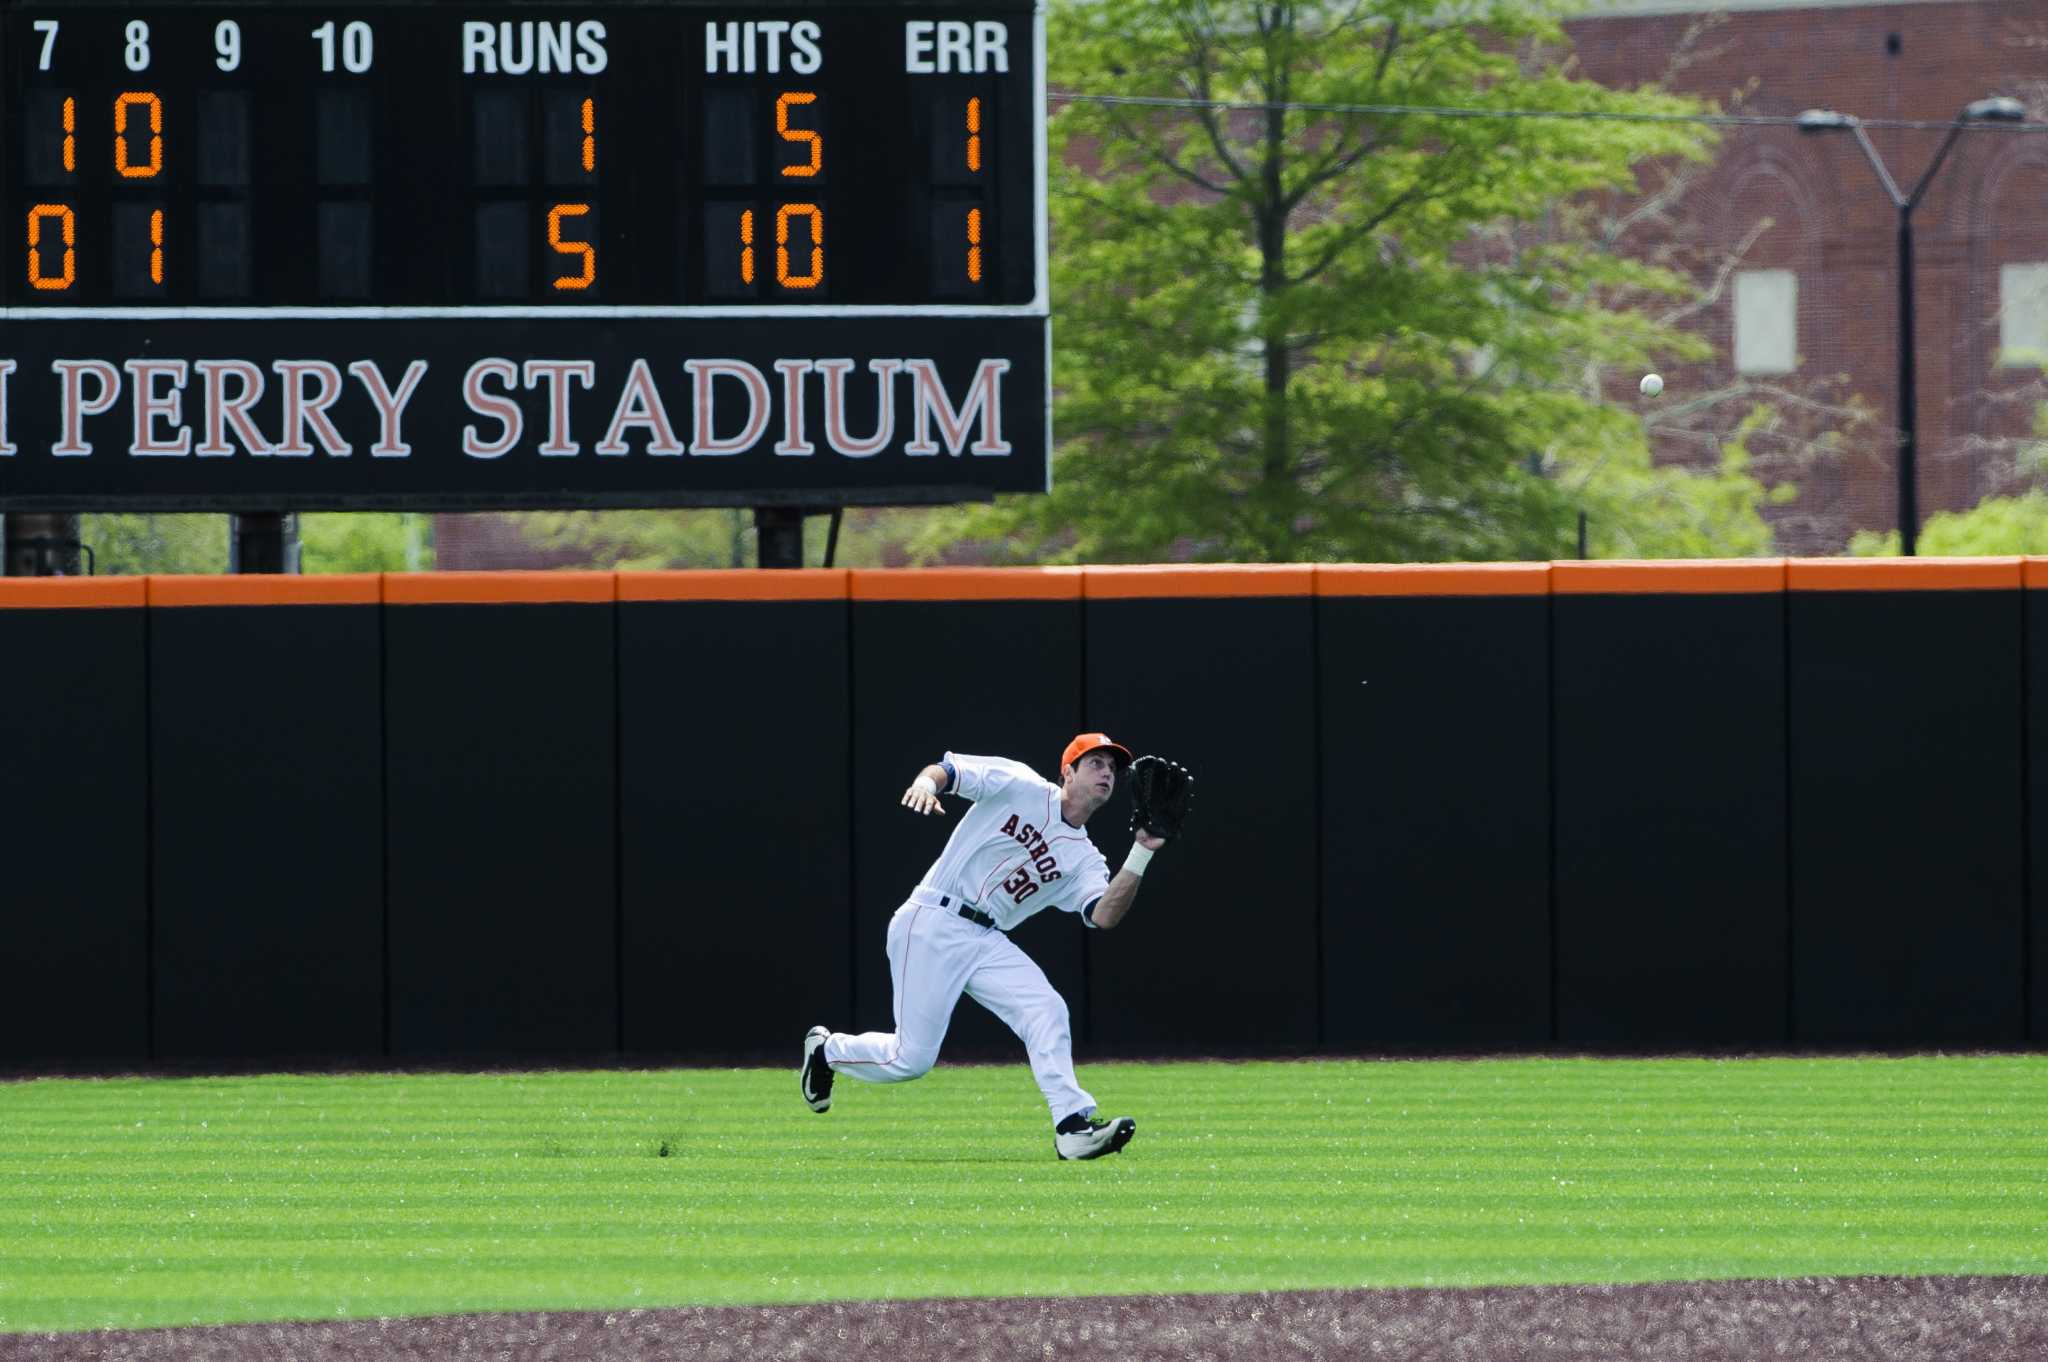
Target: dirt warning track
(1853, 1319)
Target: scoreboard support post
(42, 546)
(264, 542)
(779, 531)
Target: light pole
(1998, 109)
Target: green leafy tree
(365, 541)
(1637, 509)
(1278, 334)
(125, 545)
(1995, 526)
(647, 540)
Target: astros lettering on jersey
(1012, 854)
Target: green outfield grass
(140, 1202)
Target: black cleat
(815, 1075)
(1086, 1137)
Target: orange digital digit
(156, 242)
(589, 135)
(816, 275)
(746, 246)
(37, 216)
(789, 134)
(70, 141)
(974, 245)
(578, 248)
(974, 135)
(122, 104)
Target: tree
(1637, 509)
(1996, 525)
(637, 541)
(1278, 331)
(1752, 439)
(132, 545)
(648, 540)
(125, 545)
(365, 541)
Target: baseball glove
(1161, 792)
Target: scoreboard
(419, 157)
(293, 255)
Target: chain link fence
(129, 545)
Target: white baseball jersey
(1012, 854)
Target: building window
(1766, 322)
(2023, 315)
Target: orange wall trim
(499, 588)
(735, 584)
(341, 588)
(1903, 574)
(1742, 576)
(1433, 579)
(1200, 579)
(967, 584)
(71, 593)
(1696, 577)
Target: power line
(1587, 115)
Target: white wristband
(1140, 856)
(924, 782)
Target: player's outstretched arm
(923, 794)
(1123, 886)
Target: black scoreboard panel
(282, 254)
(437, 156)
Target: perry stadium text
(521, 426)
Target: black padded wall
(1906, 817)
(985, 677)
(735, 830)
(74, 827)
(1670, 876)
(1220, 949)
(500, 818)
(1435, 821)
(467, 827)
(266, 727)
(2036, 724)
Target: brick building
(1810, 308)
(1798, 240)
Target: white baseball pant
(935, 955)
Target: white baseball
(1651, 385)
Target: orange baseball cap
(1088, 742)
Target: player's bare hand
(1148, 841)
(920, 799)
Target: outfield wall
(492, 817)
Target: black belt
(974, 915)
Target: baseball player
(1022, 847)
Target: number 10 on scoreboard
(782, 244)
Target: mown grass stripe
(131, 1202)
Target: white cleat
(1092, 1138)
(814, 1075)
